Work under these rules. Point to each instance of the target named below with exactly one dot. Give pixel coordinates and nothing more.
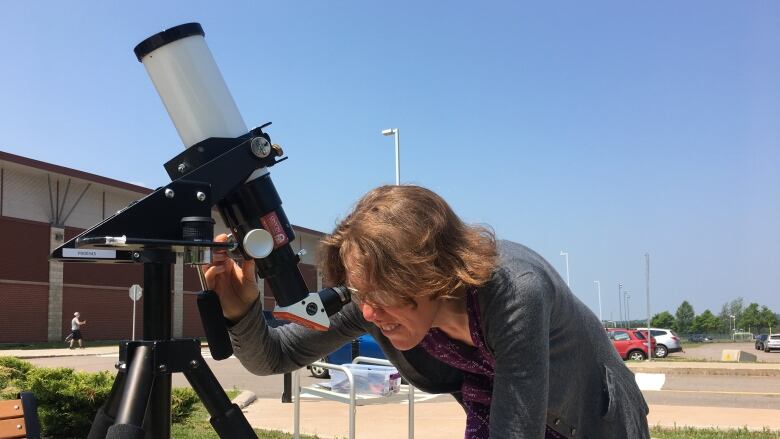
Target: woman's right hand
(235, 285)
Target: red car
(631, 344)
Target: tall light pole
(394, 132)
(733, 326)
(598, 284)
(647, 283)
(628, 316)
(566, 255)
(620, 301)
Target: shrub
(67, 400)
(183, 401)
(16, 364)
(12, 372)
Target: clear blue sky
(605, 129)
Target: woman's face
(404, 325)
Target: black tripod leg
(226, 418)
(107, 413)
(135, 397)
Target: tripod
(139, 404)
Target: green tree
(751, 318)
(684, 317)
(733, 308)
(663, 319)
(768, 319)
(705, 322)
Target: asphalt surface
(712, 351)
(229, 373)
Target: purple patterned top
(478, 365)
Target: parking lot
(713, 351)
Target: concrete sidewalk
(61, 352)
(443, 418)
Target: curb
(245, 398)
(53, 355)
(707, 371)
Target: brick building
(43, 205)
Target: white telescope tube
(190, 84)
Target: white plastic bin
(369, 379)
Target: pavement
(706, 368)
(442, 417)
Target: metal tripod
(139, 404)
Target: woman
(492, 324)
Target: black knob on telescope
(197, 228)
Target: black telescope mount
(231, 174)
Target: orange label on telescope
(272, 225)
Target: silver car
(666, 341)
(772, 343)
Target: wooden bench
(19, 417)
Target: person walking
(75, 330)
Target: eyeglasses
(362, 298)
(385, 300)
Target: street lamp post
(598, 284)
(620, 301)
(628, 316)
(733, 326)
(647, 284)
(566, 255)
(394, 132)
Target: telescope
(224, 165)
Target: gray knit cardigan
(554, 362)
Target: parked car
(760, 340)
(700, 338)
(630, 343)
(364, 346)
(667, 341)
(772, 343)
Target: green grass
(711, 433)
(199, 427)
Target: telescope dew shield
(201, 107)
(190, 84)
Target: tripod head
(223, 165)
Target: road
(717, 391)
(684, 390)
(229, 372)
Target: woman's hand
(235, 285)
